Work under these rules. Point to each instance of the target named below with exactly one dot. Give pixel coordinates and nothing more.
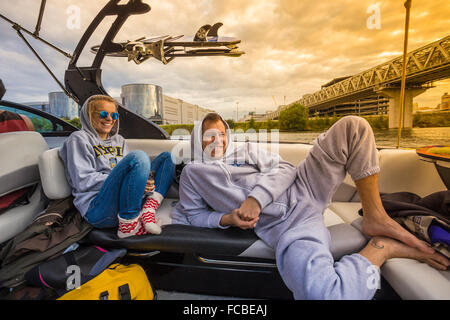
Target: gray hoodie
(244, 170)
(89, 160)
(293, 201)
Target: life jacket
(11, 121)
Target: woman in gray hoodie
(108, 182)
(248, 187)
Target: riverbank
(384, 138)
(379, 122)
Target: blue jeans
(121, 193)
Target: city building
(255, 116)
(373, 105)
(177, 111)
(62, 106)
(443, 106)
(58, 104)
(143, 99)
(149, 101)
(146, 100)
(39, 105)
(445, 103)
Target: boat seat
(345, 239)
(54, 179)
(180, 238)
(409, 278)
(53, 175)
(348, 211)
(19, 169)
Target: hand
(234, 219)
(150, 186)
(250, 209)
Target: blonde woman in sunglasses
(108, 182)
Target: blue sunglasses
(105, 114)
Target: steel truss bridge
(423, 66)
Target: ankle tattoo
(373, 244)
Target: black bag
(84, 262)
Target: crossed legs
(376, 223)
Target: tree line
(296, 118)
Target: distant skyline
(292, 47)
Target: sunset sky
(292, 47)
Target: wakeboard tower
(2, 89)
(81, 82)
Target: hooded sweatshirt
(245, 170)
(88, 159)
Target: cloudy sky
(292, 47)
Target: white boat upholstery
(19, 159)
(403, 170)
(53, 176)
(348, 211)
(414, 280)
(15, 220)
(19, 169)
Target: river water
(411, 138)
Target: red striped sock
(148, 214)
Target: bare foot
(396, 249)
(388, 227)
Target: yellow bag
(117, 282)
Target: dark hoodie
(89, 160)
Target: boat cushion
(403, 170)
(53, 175)
(19, 169)
(347, 211)
(19, 160)
(15, 220)
(414, 280)
(231, 242)
(179, 238)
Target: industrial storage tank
(143, 99)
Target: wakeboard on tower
(205, 42)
